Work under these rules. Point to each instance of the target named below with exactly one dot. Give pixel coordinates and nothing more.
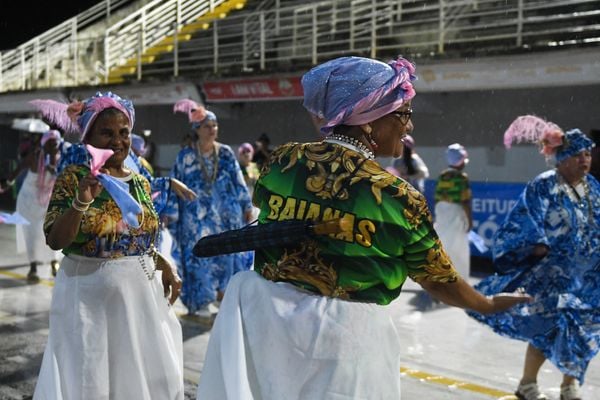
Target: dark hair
(264, 138)
(341, 129)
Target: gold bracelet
(77, 207)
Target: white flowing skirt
(112, 335)
(272, 341)
(451, 224)
(31, 237)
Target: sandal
(32, 277)
(54, 268)
(570, 392)
(529, 391)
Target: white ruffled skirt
(112, 335)
(272, 341)
(451, 225)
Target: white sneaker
(203, 312)
(570, 392)
(529, 391)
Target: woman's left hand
(182, 191)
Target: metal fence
(281, 38)
(58, 52)
(280, 35)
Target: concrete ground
(446, 355)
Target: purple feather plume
(55, 112)
(186, 106)
(527, 128)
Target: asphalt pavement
(446, 355)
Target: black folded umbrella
(274, 234)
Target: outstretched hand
(182, 191)
(504, 301)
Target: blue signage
(491, 203)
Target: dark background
(23, 20)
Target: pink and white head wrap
(356, 90)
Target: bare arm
(65, 228)
(461, 294)
(181, 190)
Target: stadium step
(168, 43)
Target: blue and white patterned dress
(563, 321)
(220, 206)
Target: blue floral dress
(222, 201)
(563, 321)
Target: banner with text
(253, 89)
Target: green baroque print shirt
(453, 187)
(391, 235)
(102, 232)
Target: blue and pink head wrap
(356, 90)
(197, 114)
(556, 145)
(79, 116)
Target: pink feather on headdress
(196, 112)
(529, 128)
(56, 113)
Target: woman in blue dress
(548, 246)
(211, 170)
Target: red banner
(253, 89)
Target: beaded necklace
(208, 178)
(351, 143)
(576, 197)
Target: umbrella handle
(331, 226)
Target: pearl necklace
(351, 143)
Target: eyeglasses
(404, 116)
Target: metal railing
(285, 35)
(57, 52)
(131, 37)
(288, 38)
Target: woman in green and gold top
(309, 322)
(112, 333)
